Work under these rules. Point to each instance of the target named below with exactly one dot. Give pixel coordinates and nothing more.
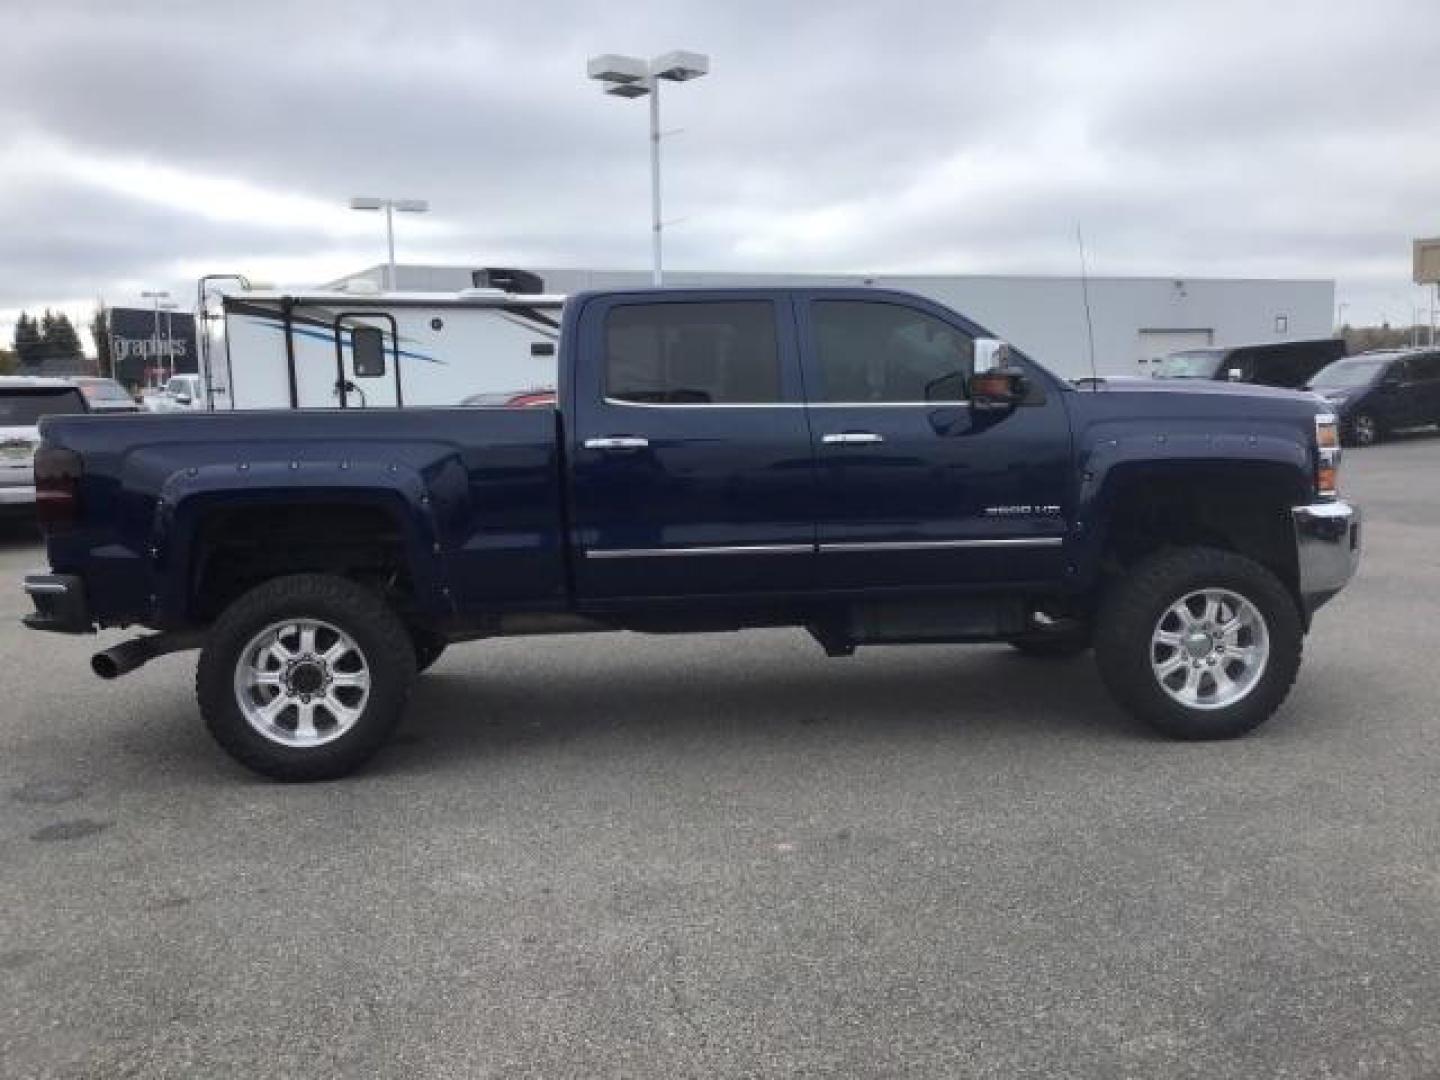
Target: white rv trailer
(333, 349)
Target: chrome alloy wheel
(1209, 649)
(302, 682)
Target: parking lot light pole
(631, 77)
(169, 307)
(156, 296)
(390, 206)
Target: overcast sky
(145, 143)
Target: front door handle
(617, 442)
(851, 438)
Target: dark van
(1290, 364)
(1374, 393)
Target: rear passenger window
(877, 352)
(720, 353)
(1425, 367)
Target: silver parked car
(23, 402)
(105, 395)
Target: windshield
(24, 408)
(1192, 364)
(105, 390)
(1347, 373)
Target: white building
(1136, 320)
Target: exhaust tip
(104, 665)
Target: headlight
(1327, 456)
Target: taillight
(1327, 456)
(57, 488)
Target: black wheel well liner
(237, 546)
(1242, 507)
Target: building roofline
(876, 274)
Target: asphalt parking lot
(728, 855)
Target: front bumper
(60, 604)
(1327, 548)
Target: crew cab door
(690, 453)
(916, 489)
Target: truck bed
(474, 495)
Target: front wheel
(304, 677)
(1199, 643)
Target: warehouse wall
(1044, 316)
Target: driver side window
(883, 353)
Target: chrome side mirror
(991, 354)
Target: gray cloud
(1218, 138)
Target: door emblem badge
(1022, 510)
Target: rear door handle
(617, 442)
(851, 438)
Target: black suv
(1289, 364)
(1376, 392)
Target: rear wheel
(304, 677)
(1199, 643)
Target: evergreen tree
(62, 343)
(8, 362)
(100, 331)
(29, 348)
(46, 349)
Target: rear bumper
(18, 495)
(60, 604)
(1327, 547)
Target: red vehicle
(541, 397)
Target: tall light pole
(169, 308)
(631, 77)
(390, 206)
(156, 296)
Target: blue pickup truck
(865, 464)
